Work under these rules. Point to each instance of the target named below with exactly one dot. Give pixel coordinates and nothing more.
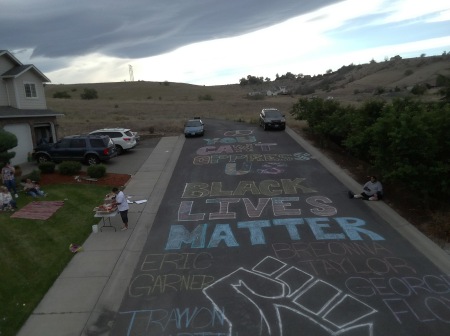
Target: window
(30, 90)
(97, 143)
(78, 143)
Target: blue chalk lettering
(222, 232)
(351, 227)
(256, 232)
(291, 226)
(317, 229)
(179, 234)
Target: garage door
(24, 142)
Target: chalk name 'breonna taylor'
(372, 190)
(122, 206)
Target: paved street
(254, 236)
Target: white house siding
(3, 96)
(11, 93)
(24, 142)
(30, 103)
(5, 64)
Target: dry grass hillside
(162, 107)
(153, 107)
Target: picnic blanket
(38, 210)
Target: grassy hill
(162, 107)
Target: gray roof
(7, 112)
(20, 68)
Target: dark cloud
(135, 28)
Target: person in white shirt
(122, 206)
(372, 190)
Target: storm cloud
(135, 28)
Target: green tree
(7, 142)
(251, 80)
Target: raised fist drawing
(276, 299)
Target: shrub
(47, 167)
(442, 81)
(418, 89)
(205, 97)
(96, 171)
(69, 167)
(7, 141)
(61, 94)
(89, 94)
(379, 90)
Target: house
(277, 90)
(23, 107)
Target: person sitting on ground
(32, 188)
(6, 200)
(372, 190)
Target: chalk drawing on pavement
(273, 296)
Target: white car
(123, 138)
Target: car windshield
(273, 114)
(193, 123)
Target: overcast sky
(212, 42)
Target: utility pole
(130, 70)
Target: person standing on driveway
(122, 206)
(9, 179)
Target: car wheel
(119, 150)
(92, 160)
(42, 158)
(266, 127)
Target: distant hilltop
(392, 78)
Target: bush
(61, 94)
(205, 97)
(418, 89)
(69, 167)
(408, 72)
(96, 171)
(47, 167)
(89, 94)
(7, 141)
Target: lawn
(33, 253)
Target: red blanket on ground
(38, 210)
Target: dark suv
(272, 118)
(91, 149)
